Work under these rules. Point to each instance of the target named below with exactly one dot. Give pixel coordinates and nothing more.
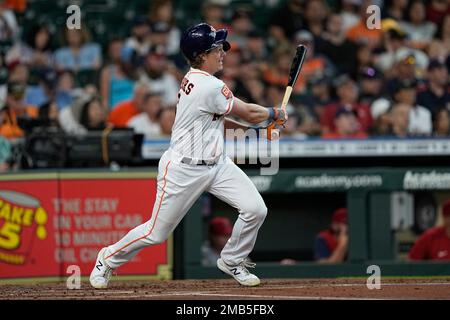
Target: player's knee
(157, 238)
(257, 210)
(262, 212)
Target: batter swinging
(195, 163)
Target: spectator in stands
(335, 45)
(156, 76)
(159, 34)
(166, 118)
(364, 59)
(437, 10)
(437, 50)
(315, 14)
(399, 118)
(116, 84)
(93, 115)
(380, 111)
(45, 88)
(78, 53)
(371, 85)
(420, 123)
(219, 231)
(359, 33)
(232, 69)
(124, 111)
(410, 64)
(331, 245)
(286, 21)
(138, 44)
(69, 117)
(248, 85)
(441, 123)
(153, 48)
(18, 6)
(146, 122)
(443, 32)
(213, 12)
(15, 107)
(349, 12)
(278, 72)
(395, 9)
(162, 11)
(347, 93)
(255, 50)
(393, 40)
(419, 30)
(437, 93)
(36, 51)
(346, 126)
(241, 25)
(318, 94)
(65, 89)
(5, 152)
(434, 244)
(49, 113)
(9, 29)
(18, 72)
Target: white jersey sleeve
(219, 98)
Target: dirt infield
(270, 289)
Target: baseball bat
(296, 66)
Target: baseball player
(195, 163)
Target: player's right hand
(278, 115)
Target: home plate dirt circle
(270, 289)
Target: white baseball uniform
(195, 163)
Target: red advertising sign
(48, 225)
(27, 244)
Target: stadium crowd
(356, 82)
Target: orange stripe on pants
(154, 222)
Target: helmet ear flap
(226, 46)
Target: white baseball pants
(179, 186)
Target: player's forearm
(233, 124)
(250, 112)
(257, 113)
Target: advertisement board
(60, 220)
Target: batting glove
(278, 115)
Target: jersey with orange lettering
(203, 101)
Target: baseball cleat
(240, 272)
(101, 273)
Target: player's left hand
(273, 129)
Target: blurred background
(364, 160)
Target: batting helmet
(202, 38)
